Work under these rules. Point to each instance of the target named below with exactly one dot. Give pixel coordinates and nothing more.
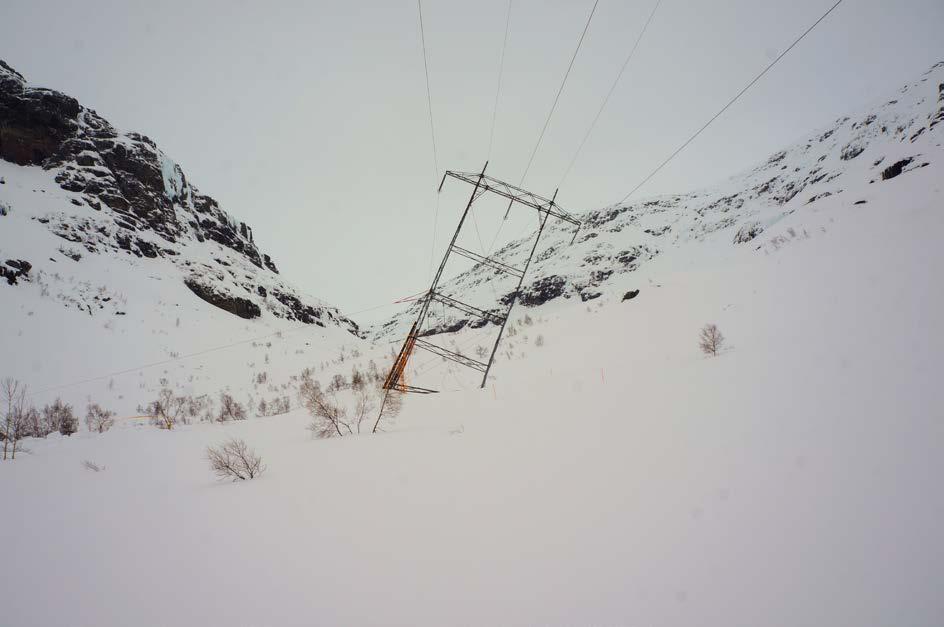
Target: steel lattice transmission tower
(482, 184)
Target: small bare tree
(358, 380)
(329, 418)
(711, 340)
(230, 408)
(34, 425)
(90, 465)
(59, 417)
(338, 382)
(15, 423)
(235, 460)
(99, 419)
(168, 410)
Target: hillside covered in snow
(612, 472)
(612, 475)
(898, 136)
(111, 258)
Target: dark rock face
(895, 169)
(242, 307)
(15, 269)
(630, 295)
(851, 151)
(124, 172)
(748, 232)
(542, 290)
(298, 310)
(938, 116)
(33, 122)
(146, 206)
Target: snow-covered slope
(846, 159)
(612, 476)
(110, 258)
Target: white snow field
(613, 476)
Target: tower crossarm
(514, 194)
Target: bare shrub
(338, 382)
(230, 408)
(199, 407)
(99, 419)
(33, 424)
(329, 418)
(90, 465)
(333, 418)
(373, 373)
(539, 340)
(358, 380)
(14, 426)
(711, 340)
(275, 407)
(59, 417)
(235, 460)
(168, 410)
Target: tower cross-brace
(546, 208)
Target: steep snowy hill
(110, 257)
(895, 138)
(612, 476)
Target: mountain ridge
(126, 197)
(878, 143)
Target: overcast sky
(308, 120)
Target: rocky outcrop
(33, 122)
(621, 238)
(238, 306)
(126, 197)
(895, 169)
(748, 231)
(124, 172)
(15, 269)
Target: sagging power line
(730, 102)
(501, 71)
(547, 120)
(606, 99)
(432, 133)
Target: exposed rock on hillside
(126, 197)
(622, 238)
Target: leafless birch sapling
(711, 340)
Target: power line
(730, 102)
(610, 93)
(162, 362)
(501, 70)
(432, 133)
(213, 349)
(559, 91)
(550, 113)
